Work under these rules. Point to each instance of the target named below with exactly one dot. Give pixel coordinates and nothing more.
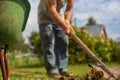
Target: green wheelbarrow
(13, 18)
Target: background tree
(118, 40)
(20, 46)
(91, 21)
(118, 54)
(35, 44)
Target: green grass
(33, 69)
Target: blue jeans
(55, 47)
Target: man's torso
(43, 15)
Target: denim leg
(48, 41)
(61, 48)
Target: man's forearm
(68, 16)
(68, 13)
(56, 17)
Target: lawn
(33, 69)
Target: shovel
(95, 59)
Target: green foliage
(20, 46)
(102, 47)
(118, 54)
(114, 47)
(35, 43)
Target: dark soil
(96, 74)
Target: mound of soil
(97, 73)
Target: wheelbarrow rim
(27, 13)
(28, 7)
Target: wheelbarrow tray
(13, 18)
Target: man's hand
(68, 15)
(68, 28)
